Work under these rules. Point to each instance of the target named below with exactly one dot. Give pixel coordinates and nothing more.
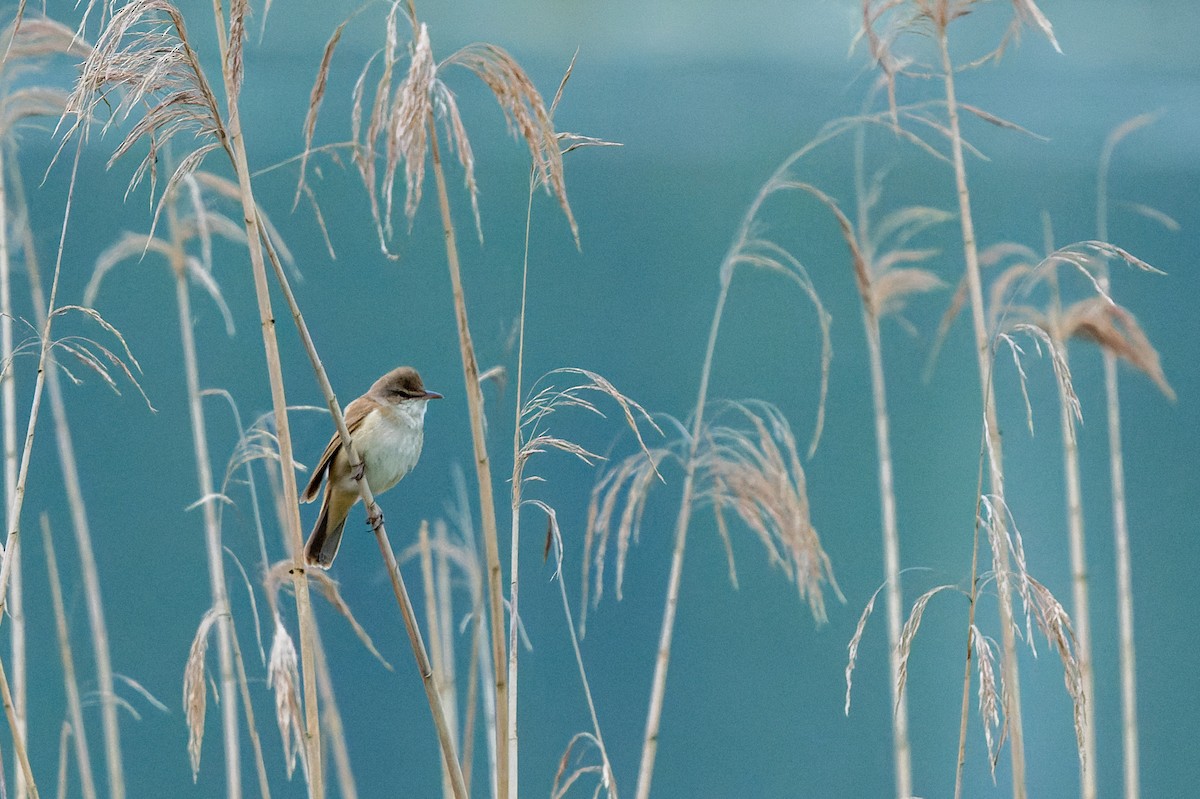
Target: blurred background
(706, 99)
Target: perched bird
(387, 425)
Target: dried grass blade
(195, 689)
(316, 96)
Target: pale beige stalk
(432, 623)
(17, 501)
(8, 398)
(1080, 615)
(375, 517)
(83, 760)
(515, 506)
(1112, 401)
(674, 580)
(236, 148)
(901, 748)
(227, 694)
(20, 750)
(483, 472)
(83, 540)
(1011, 696)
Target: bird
(387, 425)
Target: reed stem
(1011, 696)
(483, 471)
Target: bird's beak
(432, 395)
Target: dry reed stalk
(1068, 416)
(332, 718)
(1124, 568)
(8, 398)
(83, 760)
(443, 589)
(230, 44)
(26, 42)
(148, 38)
(1100, 320)
(212, 529)
(935, 16)
(375, 517)
(884, 284)
(484, 477)
(401, 128)
(19, 747)
(264, 785)
(972, 606)
(1009, 666)
(183, 268)
(83, 541)
(16, 502)
(437, 644)
(424, 667)
(746, 250)
(608, 780)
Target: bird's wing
(355, 413)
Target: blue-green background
(707, 98)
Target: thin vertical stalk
(22, 752)
(333, 724)
(264, 786)
(901, 747)
(445, 617)
(1011, 697)
(449, 758)
(901, 750)
(212, 528)
(515, 508)
(972, 604)
(483, 471)
(1112, 402)
(607, 778)
(83, 759)
(236, 147)
(1080, 616)
(375, 518)
(83, 536)
(435, 629)
(674, 580)
(662, 656)
(91, 583)
(8, 398)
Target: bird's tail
(325, 539)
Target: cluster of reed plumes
(175, 111)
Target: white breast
(389, 441)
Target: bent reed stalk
(1124, 568)
(1011, 697)
(8, 398)
(736, 255)
(85, 552)
(505, 760)
(375, 518)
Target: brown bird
(387, 425)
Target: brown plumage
(387, 425)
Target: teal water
(706, 100)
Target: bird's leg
(359, 470)
(374, 516)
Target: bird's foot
(374, 517)
(358, 470)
